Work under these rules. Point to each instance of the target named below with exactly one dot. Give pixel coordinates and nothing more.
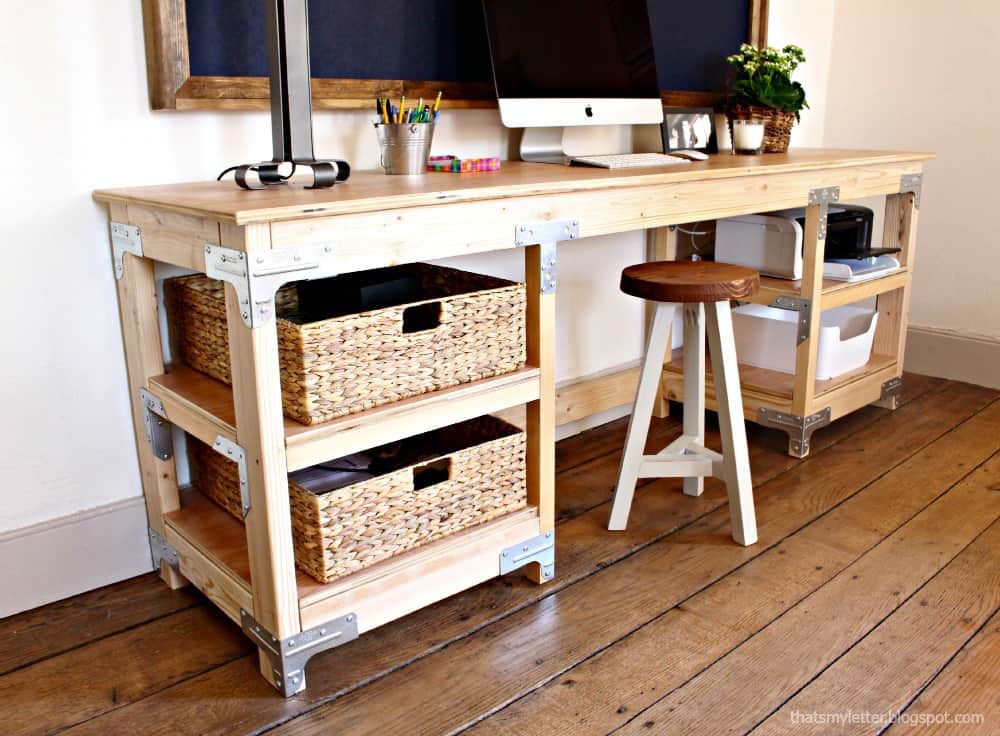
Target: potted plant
(761, 87)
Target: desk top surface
(368, 191)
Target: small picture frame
(689, 129)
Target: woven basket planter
(348, 363)
(777, 125)
(424, 488)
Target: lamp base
(325, 173)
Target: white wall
(76, 100)
(921, 75)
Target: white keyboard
(629, 160)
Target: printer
(772, 243)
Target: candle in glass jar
(748, 136)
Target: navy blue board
(431, 40)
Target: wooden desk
(259, 240)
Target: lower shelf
(212, 549)
(773, 389)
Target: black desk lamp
(291, 103)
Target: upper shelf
(203, 407)
(835, 293)
(369, 191)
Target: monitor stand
(544, 146)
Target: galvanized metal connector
(540, 550)
(288, 656)
(226, 447)
(162, 552)
(799, 429)
(547, 236)
(892, 387)
(823, 196)
(912, 184)
(158, 429)
(802, 306)
(124, 239)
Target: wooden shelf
(203, 407)
(763, 383)
(835, 293)
(213, 552)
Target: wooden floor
(874, 590)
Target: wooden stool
(705, 289)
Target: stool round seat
(689, 281)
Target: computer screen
(571, 49)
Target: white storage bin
(765, 337)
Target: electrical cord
(282, 177)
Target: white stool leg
(729, 401)
(694, 384)
(642, 412)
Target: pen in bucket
(405, 134)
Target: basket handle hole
(422, 317)
(431, 474)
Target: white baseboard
(952, 354)
(63, 557)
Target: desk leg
(804, 389)
(260, 432)
(661, 245)
(894, 307)
(144, 358)
(541, 455)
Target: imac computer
(558, 63)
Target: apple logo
(589, 111)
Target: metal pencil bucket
(404, 147)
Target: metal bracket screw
(892, 387)
(226, 447)
(803, 307)
(158, 432)
(258, 276)
(540, 549)
(912, 184)
(124, 239)
(823, 197)
(799, 429)
(547, 235)
(289, 656)
(162, 551)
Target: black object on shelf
(291, 103)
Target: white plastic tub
(765, 337)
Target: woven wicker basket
(348, 363)
(425, 488)
(777, 125)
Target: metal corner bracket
(892, 387)
(912, 184)
(540, 549)
(226, 447)
(124, 239)
(802, 306)
(158, 429)
(258, 276)
(799, 429)
(823, 196)
(547, 235)
(162, 551)
(288, 656)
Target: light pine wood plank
(606, 691)
(761, 674)
(370, 191)
(481, 673)
(881, 673)
(540, 319)
(970, 684)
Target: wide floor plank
(761, 674)
(966, 691)
(479, 674)
(606, 691)
(886, 669)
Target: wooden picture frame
(171, 86)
